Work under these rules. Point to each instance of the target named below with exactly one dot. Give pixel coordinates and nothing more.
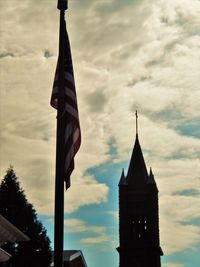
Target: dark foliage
(15, 208)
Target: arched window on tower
(139, 228)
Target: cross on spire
(136, 115)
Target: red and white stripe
(72, 126)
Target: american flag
(72, 127)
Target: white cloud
(94, 240)
(177, 237)
(92, 192)
(177, 231)
(79, 226)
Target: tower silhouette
(138, 214)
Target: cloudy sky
(127, 55)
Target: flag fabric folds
(72, 135)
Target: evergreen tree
(15, 208)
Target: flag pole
(59, 176)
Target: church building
(138, 214)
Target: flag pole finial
(62, 5)
(136, 115)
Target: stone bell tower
(138, 214)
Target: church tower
(138, 214)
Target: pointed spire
(151, 180)
(122, 179)
(137, 172)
